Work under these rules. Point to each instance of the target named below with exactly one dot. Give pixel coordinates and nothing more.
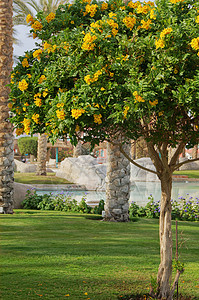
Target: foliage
(28, 145)
(183, 209)
(60, 202)
(32, 200)
(103, 68)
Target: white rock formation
(20, 190)
(24, 167)
(138, 174)
(83, 170)
(189, 166)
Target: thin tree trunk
(117, 185)
(165, 234)
(6, 136)
(41, 154)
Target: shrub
(28, 145)
(31, 200)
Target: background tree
(117, 73)
(6, 136)
(28, 145)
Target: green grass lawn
(57, 255)
(31, 178)
(189, 173)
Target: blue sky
(26, 43)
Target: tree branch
(175, 283)
(133, 162)
(178, 151)
(185, 162)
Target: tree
(28, 145)
(118, 73)
(6, 136)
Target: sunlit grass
(57, 255)
(32, 178)
(189, 173)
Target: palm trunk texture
(6, 136)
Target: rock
(138, 174)
(83, 170)
(20, 193)
(24, 167)
(189, 166)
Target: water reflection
(140, 192)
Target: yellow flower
(46, 46)
(176, 1)
(88, 42)
(37, 53)
(197, 19)
(25, 63)
(76, 113)
(19, 131)
(102, 89)
(34, 35)
(26, 123)
(152, 15)
(41, 79)
(38, 102)
(45, 93)
(195, 43)
(146, 24)
(77, 128)
(129, 22)
(72, 22)
(175, 71)
(160, 113)
(29, 75)
(10, 105)
(37, 26)
(29, 19)
(35, 118)
(23, 85)
(60, 114)
(159, 44)
(126, 109)
(91, 9)
(165, 31)
(104, 6)
(50, 17)
(154, 103)
(137, 97)
(111, 74)
(97, 119)
(133, 4)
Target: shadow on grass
(148, 297)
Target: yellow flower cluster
(37, 26)
(159, 43)
(35, 118)
(45, 93)
(46, 46)
(60, 114)
(29, 19)
(41, 79)
(37, 99)
(29, 75)
(195, 43)
(76, 113)
(154, 103)
(143, 9)
(90, 80)
(104, 6)
(26, 124)
(152, 15)
(19, 131)
(60, 105)
(132, 4)
(25, 63)
(37, 53)
(23, 85)
(146, 24)
(176, 1)
(88, 42)
(126, 109)
(91, 9)
(137, 97)
(97, 119)
(50, 17)
(165, 32)
(129, 22)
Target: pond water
(139, 192)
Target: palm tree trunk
(41, 154)
(195, 152)
(6, 136)
(117, 185)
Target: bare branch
(178, 151)
(185, 162)
(175, 282)
(133, 162)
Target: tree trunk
(165, 234)
(195, 152)
(6, 136)
(117, 185)
(78, 150)
(41, 154)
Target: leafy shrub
(28, 145)
(183, 209)
(31, 200)
(98, 209)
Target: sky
(26, 43)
